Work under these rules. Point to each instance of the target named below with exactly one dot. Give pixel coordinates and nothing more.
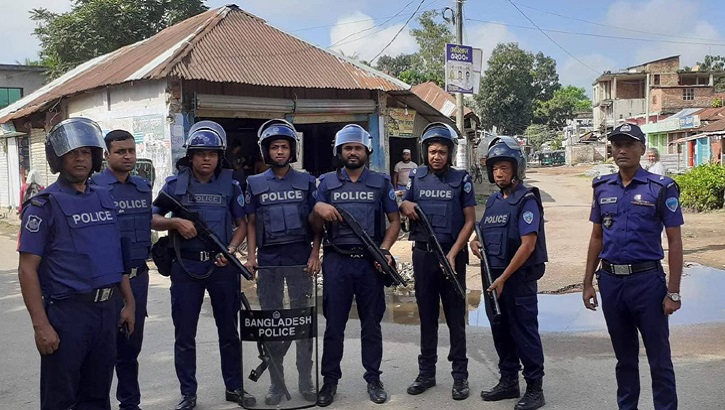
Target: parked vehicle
(552, 158)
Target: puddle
(701, 290)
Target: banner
(459, 69)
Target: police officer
(132, 196)
(513, 233)
(204, 186)
(278, 207)
(629, 210)
(346, 268)
(446, 196)
(71, 273)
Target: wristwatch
(674, 296)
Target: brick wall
(672, 98)
(665, 66)
(626, 90)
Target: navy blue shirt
(390, 205)
(252, 202)
(632, 217)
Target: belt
(427, 247)
(624, 270)
(352, 252)
(201, 256)
(97, 295)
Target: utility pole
(462, 154)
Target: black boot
(421, 384)
(533, 398)
(507, 388)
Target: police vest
(440, 200)
(282, 207)
(87, 253)
(210, 200)
(363, 200)
(500, 228)
(133, 208)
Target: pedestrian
(446, 197)
(132, 196)
(513, 234)
(347, 269)
(402, 170)
(653, 162)
(71, 273)
(29, 189)
(629, 209)
(203, 185)
(279, 235)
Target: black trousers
(432, 288)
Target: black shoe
(377, 392)
(240, 397)
(507, 388)
(307, 389)
(186, 403)
(421, 384)
(274, 395)
(460, 389)
(326, 394)
(533, 398)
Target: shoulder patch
(672, 203)
(240, 199)
(391, 194)
(528, 217)
(247, 198)
(467, 187)
(33, 223)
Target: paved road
(579, 365)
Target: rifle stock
(168, 202)
(438, 251)
(372, 249)
(487, 279)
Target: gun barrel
(438, 250)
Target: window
(688, 94)
(9, 96)
(657, 79)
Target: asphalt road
(579, 365)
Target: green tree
(432, 37)
(394, 66)
(96, 27)
(714, 63)
(538, 134)
(563, 105)
(546, 79)
(506, 96)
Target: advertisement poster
(459, 69)
(400, 122)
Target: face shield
(75, 133)
(207, 126)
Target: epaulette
(602, 179)
(39, 201)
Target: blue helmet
(352, 133)
(506, 148)
(442, 133)
(70, 134)
(275, 130)
(206, 135)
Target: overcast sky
(587, 37)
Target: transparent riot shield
(278, 328)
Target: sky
(585, 37)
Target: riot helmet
(70, 134)
(441, 133)
(205, 135)
(274, 130)
(352, 133)
(506, 148)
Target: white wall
(142, 110)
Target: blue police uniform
(219, 202)
(442, 198)
(516, 334)
(350, 272)
(77, 235)
(282, 206)
(133, 207)
(632, 218)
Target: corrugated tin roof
(711, 114)
(718, 125)
(438, 98)
(221, 45)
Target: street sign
(459, 69)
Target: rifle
(487, 280)
(372, 249)
(438, 251)
(167, 202)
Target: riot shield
(278, 328)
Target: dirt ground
(566, 193)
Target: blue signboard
(459, 69)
